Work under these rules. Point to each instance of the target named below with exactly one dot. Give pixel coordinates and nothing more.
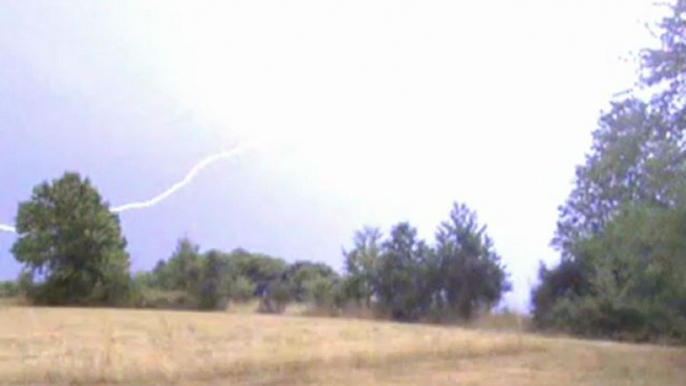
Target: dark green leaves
(71, 245)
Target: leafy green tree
(276, 297)
(183, 270)
(361, 264)
(239, 288)
(634, 287)
(564, 283)
(400, 282)
(161, 276)
(632, 160)
(470, 274)
(620, 232)
(323, 292)
(260, 269)
(71, 245)
(211, 287)
(634, 176)
(301, 273)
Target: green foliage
(73, 254)
(240, 289)
(400, 282)
(143, 279)
(621, 236)
(276, 297)
(361, 264)
(183, 270)
(301, 274)
(323, 292)
(621, 232)
(211, 279)
(409, 280)
(260, 269)
(212, 292)
(565, 283)
(469, 275)
(664, 68)
(71, 246)
(632, 160)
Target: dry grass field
(40, 346)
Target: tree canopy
(621, 231)
(71, 245)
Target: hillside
(103, 346)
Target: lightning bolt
(195, 170)
(7, 228)
(185, 181)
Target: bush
(612, 319)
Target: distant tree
(400, 278)
(276, 297)
(211, 288)
(301, 273)
(239, 288)
(470, 274)
(183, 270)
(323, 292)
(161, 276)
(71, 246)
(361, 264)
(260, 269)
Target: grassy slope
(59, 346)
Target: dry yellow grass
(100, 346)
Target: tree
(300, 273)
(664, 69)
(631, 286)
(260, 269)
(632, 160)
(360, 265)
(323, 292)
(470, 275)
(183, 270)
(620, 232)
(239, 288)
(631, 183)
(71, 245)
(212, 276)
(276, 297)
(400, 282)
(161, 276)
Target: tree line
(73, 253)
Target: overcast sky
(366, 113)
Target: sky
(363, 113)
